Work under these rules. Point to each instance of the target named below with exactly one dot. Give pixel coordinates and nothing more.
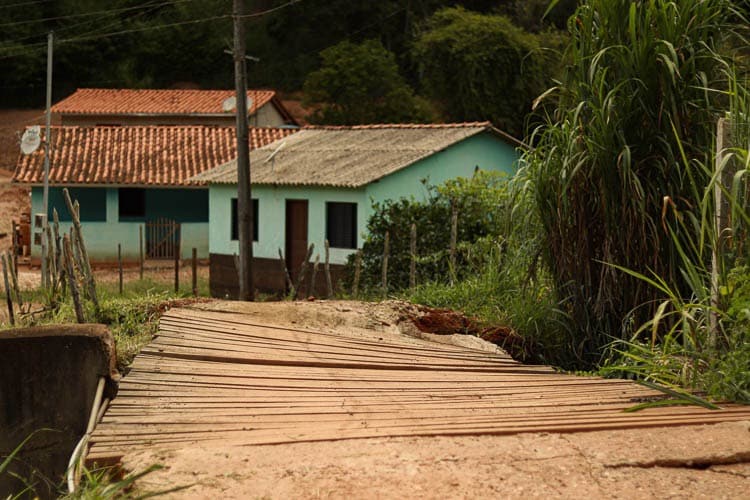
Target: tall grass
(640, 94)
(700, 339)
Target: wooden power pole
(244, 204)
(47, 136)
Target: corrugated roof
(155, 101)
(141, 155)
(347, 156)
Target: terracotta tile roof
(152, 101)
(144, 156)
(350, 156)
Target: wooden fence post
(140, 250)
(357, 271)
(413, 252)
(454, 240)
(726, 171)
(288, 277)
(119, 264)
(327, 269)
(303, 270)
(195, 272)
(14, 225)
(177, 268)
(14, 282)
(8, 295)
(384, 274)
(311, 288)
(58, 250)
(68, 257)
(51, 264)
(81, 247)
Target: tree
(482, 67)
(360, 83)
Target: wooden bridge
(217, 377)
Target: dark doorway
(296, 235)
(162, 238)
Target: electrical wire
(86, 14)
(148, 6)
(21, 4)
(30, 48)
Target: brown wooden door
(296, 235)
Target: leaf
(680, 394)
(656, 404)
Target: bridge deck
(217, 377)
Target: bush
(483, 210)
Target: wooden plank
(215, 377)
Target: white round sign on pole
(229, 104)
(31, 139)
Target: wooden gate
(162, 238)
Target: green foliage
(483, 206)
(360, 83)
(537, 15)
(482, 67)
(699, 335)
(496, 279)
(636, 111)
(99, 485)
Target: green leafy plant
(698, 337)
(483, 207)
(636, 112)
(98, 484)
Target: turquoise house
(321, 182)
(133, 181)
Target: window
(235, 228)
(132, 203)
(341, 224)
(92, 203)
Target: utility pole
(244, 205)
(47, 140)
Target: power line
(86, 14)
(21, 4)
(148, 6)
(34, 47)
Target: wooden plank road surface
(216, 377)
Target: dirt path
(659, 463)
(711, 461)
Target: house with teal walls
(320, 184)
(134, 184)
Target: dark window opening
(132, 203)
(341, 224)
(92, 203)
(235, 227)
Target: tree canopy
(481, 67)
(160, 44)
(360, 83)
